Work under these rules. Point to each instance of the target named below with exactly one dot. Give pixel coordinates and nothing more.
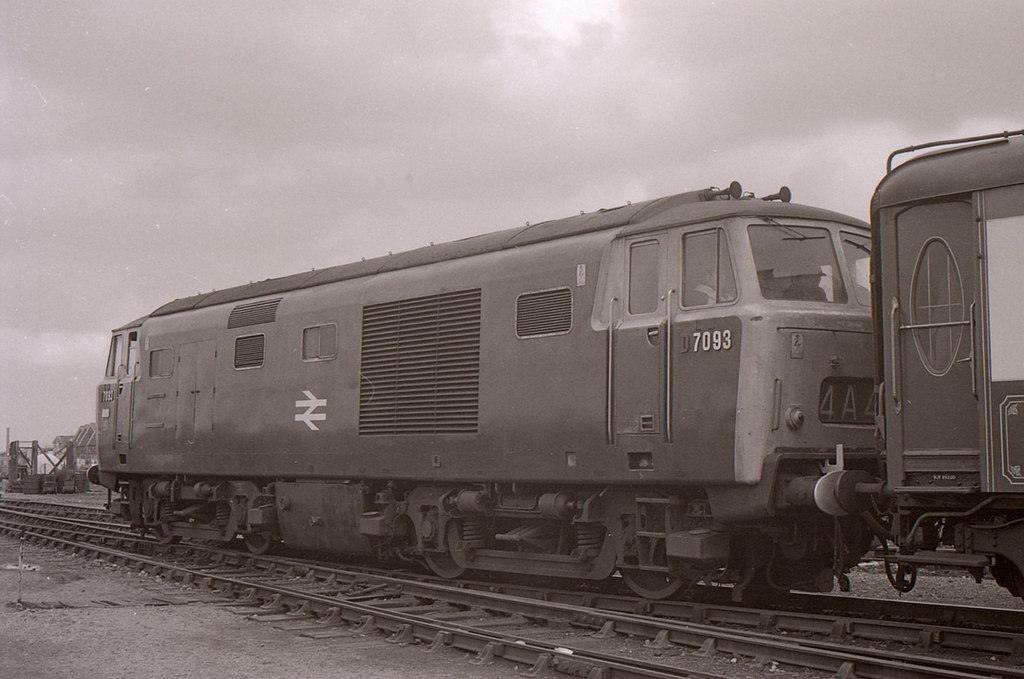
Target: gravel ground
(934, 586)
(70, 617)
(73, 618)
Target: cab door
(1003, 314)
(639, 341)
(704, 365)
(125, 364)
(934, 390)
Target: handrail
(948, 142)
(610, 377)
(894, 310)
(668, 365)
(970, 357)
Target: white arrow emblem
(310, 404)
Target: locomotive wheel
(444, 565)
(652, 584)
(163, 535)
(258, 543)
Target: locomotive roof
(675, 210)
(960, 168)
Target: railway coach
(668, 390)
(948, 231)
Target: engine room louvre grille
(548, 312)
(254, 313)
(249, 351)
(420, 365)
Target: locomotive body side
(286, 415)
(948, 229)
(655, 389)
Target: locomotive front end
(805, 405)
(742, 376)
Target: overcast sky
(153, 150)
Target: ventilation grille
(254, 313)
(420, 365)
(548, 312)
(249, 351)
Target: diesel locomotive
(948, 235)
(672, 390)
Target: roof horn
(784, 194)
(734, 190)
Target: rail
(328, 595)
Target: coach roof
(956, 169)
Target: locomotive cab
(739, 372)
(115, 400)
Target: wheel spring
(473, 529)
(589, 535)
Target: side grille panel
(254, 313)
(420, 365)
(543, 313)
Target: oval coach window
(937, 301)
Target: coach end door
(931, 326)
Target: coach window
(320, 342)
(644, 273)
(707, 269)
(160, 362)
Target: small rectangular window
(644, 274)
(161, 362)
(707, 269)
(320, 342)
(249, 351)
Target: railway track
(506, 622)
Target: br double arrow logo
(311, 403)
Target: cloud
(155, 151)
(50, 348)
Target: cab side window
(115, 355)
(644, 271)
(133, 353)
(707, 269)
